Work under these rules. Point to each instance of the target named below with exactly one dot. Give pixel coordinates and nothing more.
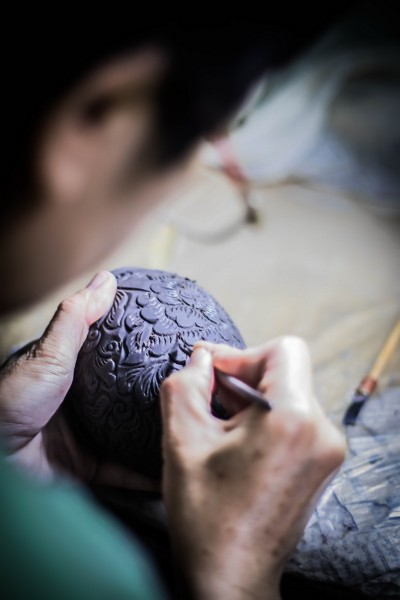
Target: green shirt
(57, 544)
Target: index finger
(185, 400)
(280, 369)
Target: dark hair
(213, 63)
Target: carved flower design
(148, 333)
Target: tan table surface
(317, 265)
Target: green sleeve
(56, 544)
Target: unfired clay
(148, 334)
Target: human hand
(33, 385)
(238, 493)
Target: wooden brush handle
(385, 354)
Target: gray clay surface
(148, 333)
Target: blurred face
(94, 164)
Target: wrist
(225, 578)
(205, 586)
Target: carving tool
(369, 382)
(241, 389)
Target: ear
(88, 139)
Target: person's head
(96, 123)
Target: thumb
(35, 381)
(69, 327)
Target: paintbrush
(241, 389)
(369, 382)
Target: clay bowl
(148, 334)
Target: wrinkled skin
(244, 488)
(237, 492)
(32, 389)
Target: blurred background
(292, 221)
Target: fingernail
(98, 280)
(199, 356)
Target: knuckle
(72, 305)
(297, 425)
(172, 386)
(53, 360)
(311, 439)
(333, 448)
(291, 343)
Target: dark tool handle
(241, 389)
